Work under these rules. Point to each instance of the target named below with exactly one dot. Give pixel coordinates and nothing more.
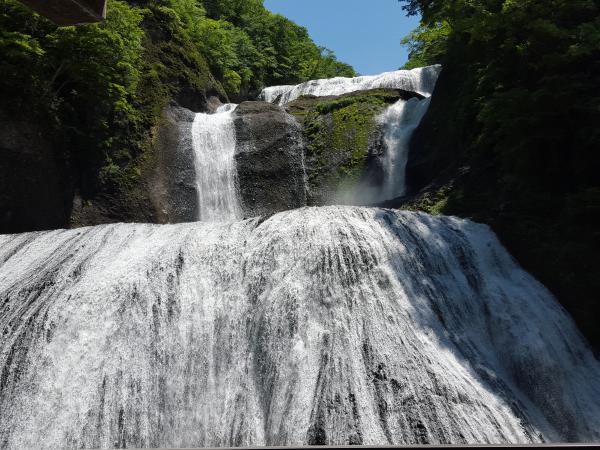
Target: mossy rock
(342, 135)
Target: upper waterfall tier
(335, 325)
(421, 80)
(214, 140)
(399, 122)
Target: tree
(521, 83)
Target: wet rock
(269, 159)
(173, 191)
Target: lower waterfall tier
(335, 325)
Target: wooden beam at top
(69, 12)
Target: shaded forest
(521, 84)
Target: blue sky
(364, 33)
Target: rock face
(437, 144)
(269, 159)
(128, 203)
(34, 184)
(344, 144)
(165, 190)
(174, 189)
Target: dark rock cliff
(173, 187)
(439, 145)
(34, 183)
(269, 159)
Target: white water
(421, 80)
(321, 325)
(213, 138)
(399, 123)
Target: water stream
(327, 325)
(214, 141)
(334, 325)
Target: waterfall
(336, 325)
(399, 123)
(213, 138)
(421, 81)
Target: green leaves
(427, 44)
(103, 86)
(17, 44)
(262, 48)
(519, 105)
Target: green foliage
(262, 48)
(427, 44)
(102, 87)
(190, 13)
(526, 124)
(83, 80)
(230, 51)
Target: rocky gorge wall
(311, 151)
(286, 158)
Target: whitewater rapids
(398, 121)
(214, 142)
(336, 325)
(421, 80)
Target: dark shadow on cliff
(544, 208)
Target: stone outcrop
(173, 190)
(164, 191)
(269, 159)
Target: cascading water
(336, 325)
(421, 81)
(399, 123)
(213, 138)
(332, 325)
